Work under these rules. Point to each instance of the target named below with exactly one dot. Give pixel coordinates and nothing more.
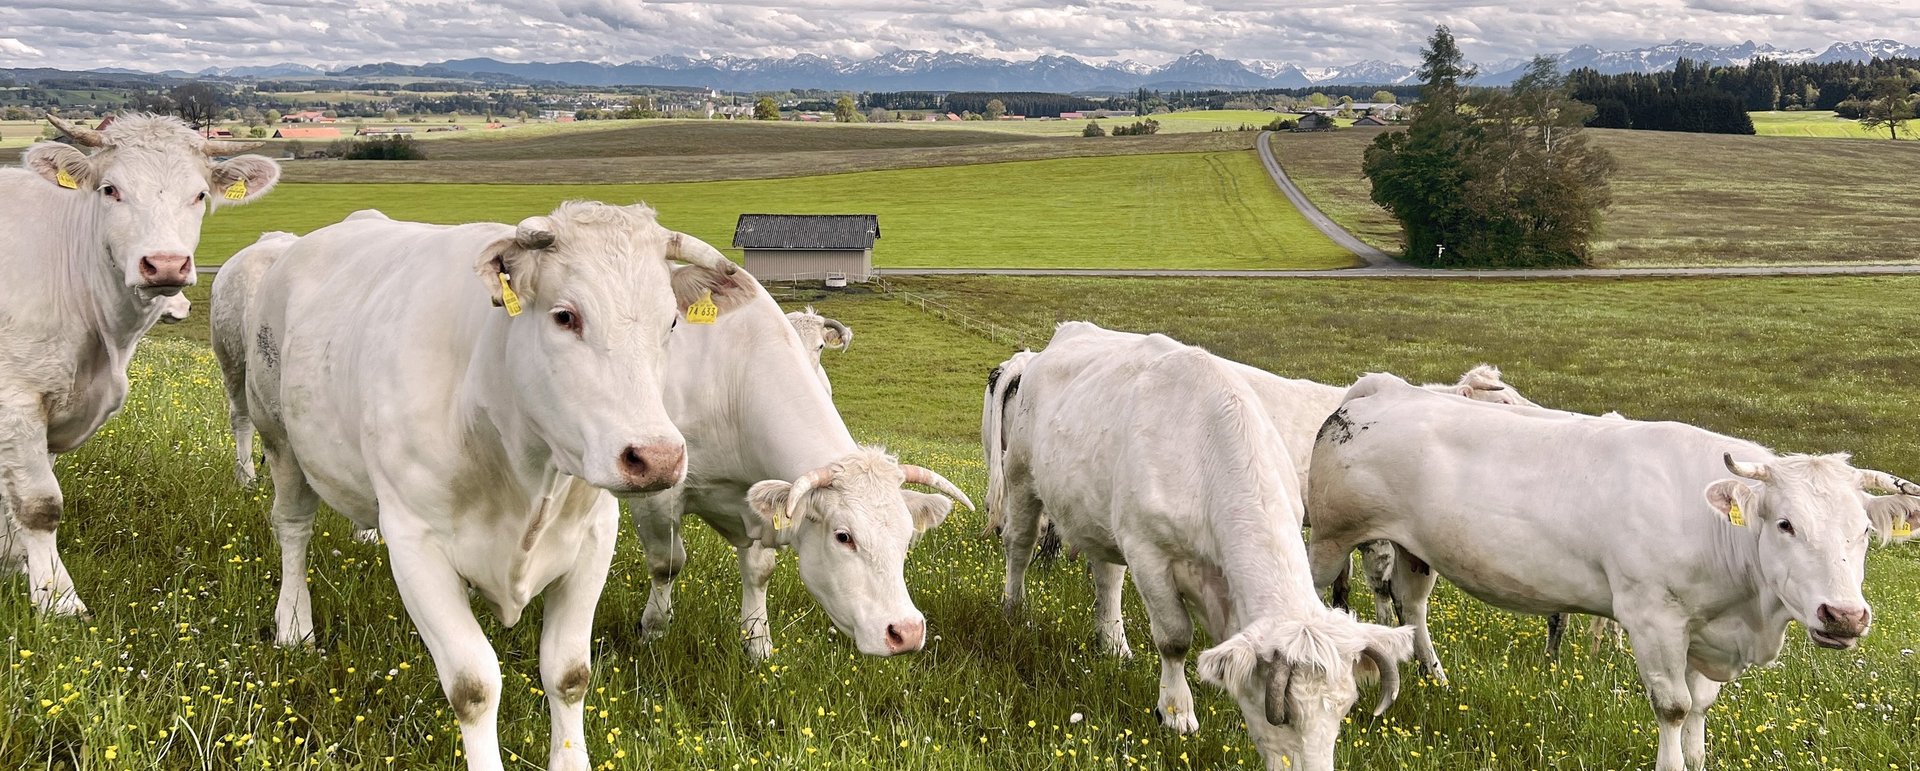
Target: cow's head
(150, 182)
(1296, 678)
(1811, 513)
(818, 333)
(588, 298)
(1483, 384)
(850, 524)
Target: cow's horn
(81, 135)
(820, 477)
(925, 476)
(694, 251)
(1389, 679)
(214, 147)
(1881, 480)
(533, 233)
(846, 335)
(1278, 698)
(1755, 471)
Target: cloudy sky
(191, 34)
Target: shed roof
(806, 231)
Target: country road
(1320, 221)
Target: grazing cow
(818, 333)
(1703, 546)
(232, 287)
(1157, 456)
(475, 391)
(1296, 408)
(98, 248)
(773, 466)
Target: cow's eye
(844, 538)
(110, 192)
(201, 198)
(567, 320)
(1785, 527)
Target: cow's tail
(1002, 384)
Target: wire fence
(800, 287)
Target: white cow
(97, 249)
(741, 393)
(1703, 546)
(474, 391)
(175, 309)
(232, 287)
(818, 333)
(1295, 407)
(1158, 457)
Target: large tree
(766, 109)
(1890, 105)
(1491, 178)
(844, 109)
(197, 103)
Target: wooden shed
(806, 246)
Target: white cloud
(192, 34)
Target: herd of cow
(483, 394)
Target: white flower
(1075, 718)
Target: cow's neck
(772, 391)
(96, 309)
(496, 425)
(1739, 587)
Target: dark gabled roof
(806, 231)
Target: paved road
(1321, 222)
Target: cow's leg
(34, 504)
(1172, 637)
(240, 422)
(1340, 595)
(659, 526)
(1018, 531)
(1660, 652)
(1108, 582)
(1328, 558)
(566, 640)
(436, 599)
(1705, 691)
(1413, 581)
(1377, 558)
(756, 571)
(294, 503)
(1556, 629)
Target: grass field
(176, 671)
(657, 138)
(1214, 210)
(1811, 123)
(1170, 123)
(1687, 199)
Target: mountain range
(935, 71)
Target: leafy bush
(1282, 124)
(1139, 128)
(1093, 129)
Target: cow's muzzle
(652, 467)
(166, 271)
(1840, 626)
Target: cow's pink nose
(166, 270)
(906, 636)
(1845, 620)
(652, 467)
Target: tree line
(1694, 96)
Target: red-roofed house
(315, 132)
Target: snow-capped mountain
(938, 71)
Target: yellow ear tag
(66, 180)
(236, 191)
(1733, 515)
(1902, 528)
(507, 297)
(780, 519)
(703, 311)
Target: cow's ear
(767, 505)
(514, 257)
(928, 510)
(1895, 517)
(243, 179)
(1231, 665)
(61, 165)
(692, 283)
(1728, 496)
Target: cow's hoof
(1119, 649)
(759, 649)
(1434, 673)
(67, 606)
(1181, 721)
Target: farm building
(796, 246)
(1315, 122)
(1370, 120)
(317, 132)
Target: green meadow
(1197, 210)
(177, 670)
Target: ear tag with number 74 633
(703, 311)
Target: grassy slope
(657, 138)
(1687, 198)
(175, 670)
(1213, 209)
(710, 161)
(1810, 124)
